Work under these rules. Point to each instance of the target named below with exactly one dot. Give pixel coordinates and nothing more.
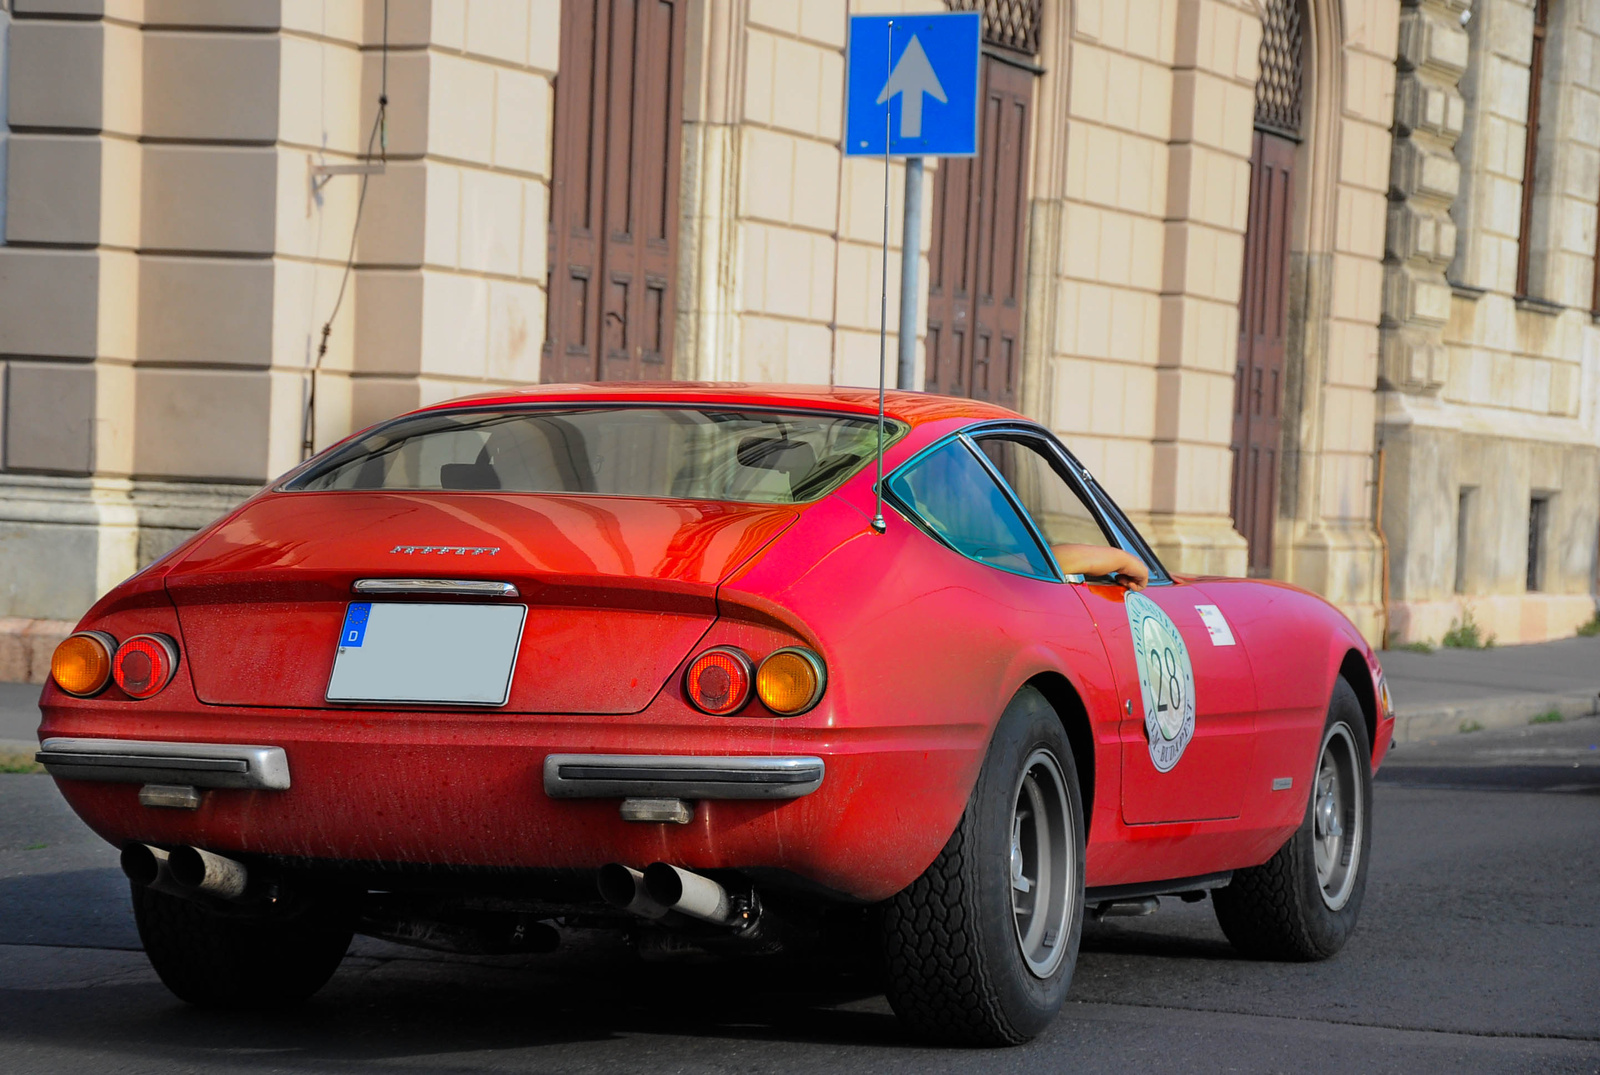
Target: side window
(955, 496)
(1057, 509)
(1064, 514)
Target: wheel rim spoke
(1042, 865)
(1337, 817)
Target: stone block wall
(171, 252)
(1488, 403)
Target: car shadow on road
(389, 1011)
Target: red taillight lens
(144, 664)
(718, 682)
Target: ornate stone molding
(1424, 180)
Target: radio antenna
(883, 306)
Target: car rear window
(750, 456)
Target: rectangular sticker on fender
(1216, 623)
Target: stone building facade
(1171, 249)
(1487, 412)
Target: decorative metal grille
(1278, 92)
(1008, 24)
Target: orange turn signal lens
(82, 663)
(144, 664)
(718, 682)
(791, 681)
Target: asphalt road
(1476, 952)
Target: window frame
(1067, 467)
(912, 516)
(1523, 286)
(894, 430)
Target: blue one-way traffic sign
(923, 71)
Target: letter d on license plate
(426, 653)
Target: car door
(1187, 722)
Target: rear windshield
(753, 456)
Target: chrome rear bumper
(139, 761)
(609, 776)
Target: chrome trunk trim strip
(604, 776)
(139, 761)
(464, 587)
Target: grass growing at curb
(1415, 647)
(1470, 726)
(19, 763)
(1590, 629)
(1552, 717)
(1467, 633)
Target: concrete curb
(1413, 724)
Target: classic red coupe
(648, 657)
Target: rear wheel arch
(1353, 670)
(1074, 716)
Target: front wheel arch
(1353, 670)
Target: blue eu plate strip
(355, 625)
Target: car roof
(915, 408)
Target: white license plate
(416, 652)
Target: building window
(1530, 153)
(1463, 529)
(1538, 523)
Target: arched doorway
(1264, 294)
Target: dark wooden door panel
(614, 191)
(1263, 330)
(976, 277)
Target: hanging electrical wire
(378, 136)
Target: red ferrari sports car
(648, 657)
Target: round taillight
(791, 681)
(144, 664)
(718, 682)
(82, 663)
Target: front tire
(215, 960)
(1303, 903)
(980, 949)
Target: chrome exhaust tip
(623, 888)
(147, 867)
(691, 894)
(195, 870)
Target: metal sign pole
(910, 265)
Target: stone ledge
(26, 646)
(1412, 725)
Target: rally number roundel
(1166, 680)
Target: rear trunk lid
(618, 589)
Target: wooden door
(1263, 328)
(614, 191)
(976, 269)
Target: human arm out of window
(1128, 570)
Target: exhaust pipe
(203, 871)
(693, 895)
(147, 867)
(623, 888)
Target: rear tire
(214, 960)
(1303, 903)
(980, 949)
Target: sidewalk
(1443, 692)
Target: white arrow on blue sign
(913, 79)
